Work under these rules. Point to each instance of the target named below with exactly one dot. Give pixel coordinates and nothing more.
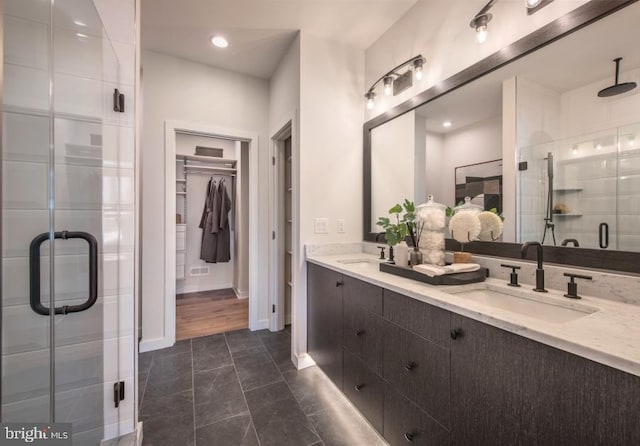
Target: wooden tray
(446, 279)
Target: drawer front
(419, 369)
(363, 335)
(364, 294)
(181, 239)
(364, 388)
(430, 322)
(405, 423)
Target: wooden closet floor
(210, 312)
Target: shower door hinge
(273, 160)
(273, 235)
(273, 308)
(118, 101)
(118, 393)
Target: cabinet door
(363, 335)
(324, 320)
(364, 388)
(506, 389)
(364, 294)
(419, 369)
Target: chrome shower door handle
(34, 273)
(603, 235)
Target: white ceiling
(260, 31)
(579, 59)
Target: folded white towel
(434, 270)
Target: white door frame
(171, 129)
(276, 264)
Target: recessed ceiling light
(219, 41)
(447, 124)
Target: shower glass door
(62, 180)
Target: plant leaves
(396, 209)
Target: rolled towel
(429, 270)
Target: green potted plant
(396, 232)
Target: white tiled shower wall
(586, 132)
(94, 178)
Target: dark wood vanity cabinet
(324, 320)
(423, 375)
(507, 389)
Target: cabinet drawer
(430, 322)
(405, 423)
(181, 240)
(419, 369)
(362, 293)
(364, 388)
(363, 335)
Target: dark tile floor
(241, 389)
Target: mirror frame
(573, 21)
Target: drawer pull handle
(339, 283)
(455, 333)
(358, 387)
(409, 366)
(409, 437)
(359, 332)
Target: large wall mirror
(532, 132)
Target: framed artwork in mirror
(482, 182)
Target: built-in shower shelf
(567, 215)
(568, 189)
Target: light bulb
(417, 68)
(370, 96)
(219, 41)
(419, 74)
(388, 85)
(481, 34)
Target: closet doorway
(209, 204)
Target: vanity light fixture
(481, 20)
(219, 41)
(532, 3)
(395, 81)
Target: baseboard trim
(198, 289)
(149, 345)
(241, 294)
(260, 325)
(302, 361)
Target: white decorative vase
(401, 251)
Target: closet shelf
(568, 189)
(567, 215)
(208, 160)
(180, 180)
(181, 193)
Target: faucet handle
(381, 248)
(572, 286)
(514, 274)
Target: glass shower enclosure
(583, 190)
(67, 223)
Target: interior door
(62, 219)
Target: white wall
(439, 29)
(175, 89)
(221, 275)
(331, 118)
(284, 88)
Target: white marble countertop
(610, 336)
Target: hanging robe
(221, 219)
(208, 248)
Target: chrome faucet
(539, 271)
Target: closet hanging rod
(207, 160)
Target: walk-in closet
(211, 235)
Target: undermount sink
(525, 302)
(356, 261)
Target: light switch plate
(340, 226)
(322, 226)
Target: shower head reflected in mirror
(617, 88)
